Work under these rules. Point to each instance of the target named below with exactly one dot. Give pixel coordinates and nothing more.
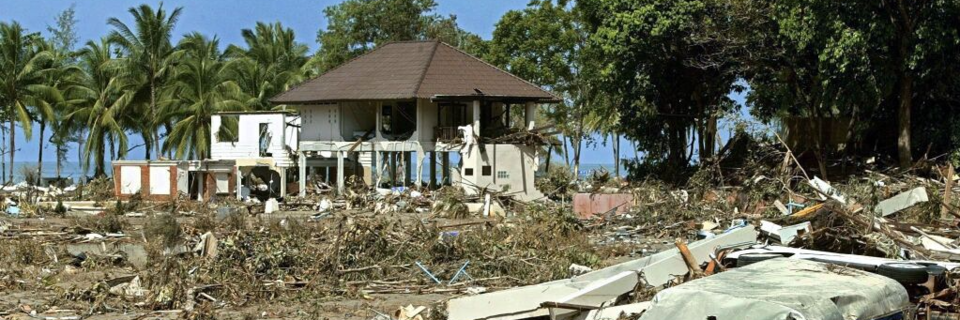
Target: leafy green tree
(357, 26)
(63, 38)
(810, 66)
(147, 51)
(200, 89)
(24, 68)
(856, 59)
(655, 54)
(269, 65)
(547, 43)
(103, 104)
(61, 73)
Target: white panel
(182, 179)
(160, 180)
(223, 183)
(129, 179)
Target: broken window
(265, 140)
(486, 171)
(228, 131)
(398, 122)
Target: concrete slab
(525, 302)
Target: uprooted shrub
(557, 183)
(450, 203)
(163, 227)
(105, 222)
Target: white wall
(321, 122)
(512, 166)
(183, 180)
(129, 179)
(159, 180)
(247, 145)
(426, 119)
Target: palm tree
(270, 64)
(200, 89)
(147, 51)
(24, 70)
(63, 73)
(101, 104)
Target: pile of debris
(888, 243)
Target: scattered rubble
(868, 244)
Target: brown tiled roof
(412, 69)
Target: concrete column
(283, 182)
(421, 155)
(529, 114)
(238, 185)
(433, 169)
(340, 181)
(392, 168)
(374, 165)
(407, 167)
(476, 118)
(445, 168)
(201, 180)
(303, 174)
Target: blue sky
(217, 17)
(225, 19)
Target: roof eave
(538, 99)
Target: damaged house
(251, 155)
(392, 114)
(384, 118)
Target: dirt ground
(42, 275)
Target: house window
(486, 171)
(386, 119)
(468, 172)
(503, 175)
(264, 139)
(398, 122)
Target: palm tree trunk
(147, 146)
(576, 158)
(153, 116)
(43, 129)
(13, 143)
(113, 148)
(98, 158)
(83, 166)
(167, 127)
(616, 154)
(59, 162)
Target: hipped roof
(413, 69)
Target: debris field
(600, 248)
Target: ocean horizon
(73, 169)
(68, 169)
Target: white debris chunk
(902, 201)
(827, 189)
